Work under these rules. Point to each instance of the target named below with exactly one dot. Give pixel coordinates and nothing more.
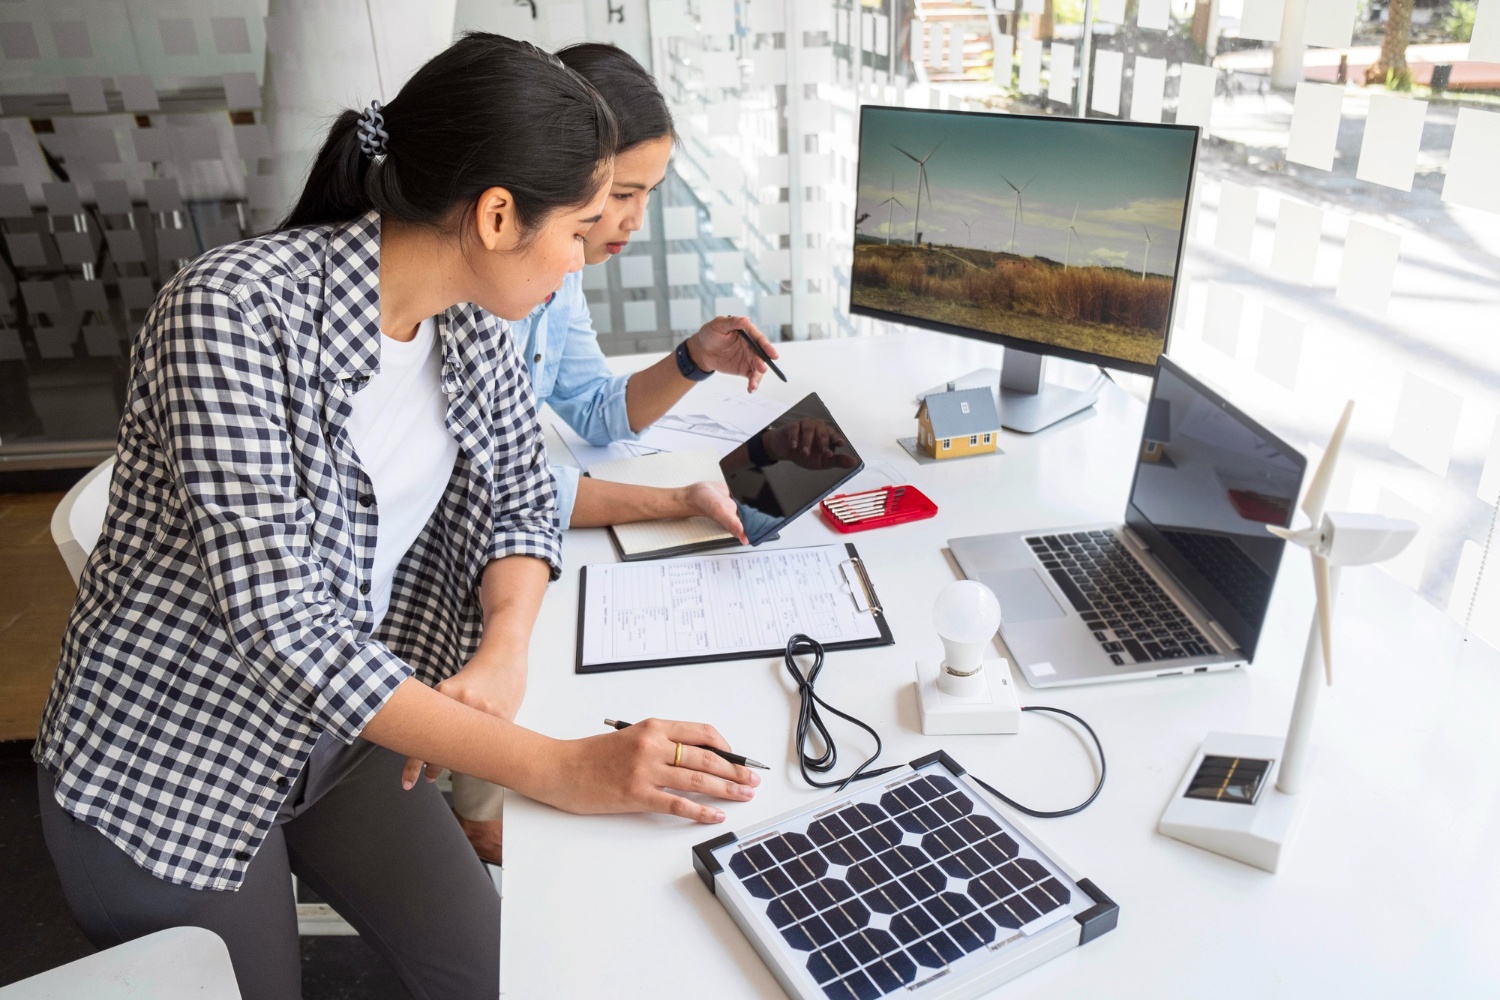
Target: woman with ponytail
(568, 371)
(330, 524)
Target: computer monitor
(1050, 236)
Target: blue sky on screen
(1118, 177)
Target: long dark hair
(638, 104)
(486, 112)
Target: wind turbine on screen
(890, 213)
(1227, 802)
(1072, 232)
(1149, 240)
(1015, 218)
(916, 225)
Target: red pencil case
(876, 508)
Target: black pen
(763, 355)
(733, 758)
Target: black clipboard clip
(860, 584)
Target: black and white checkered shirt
(222, 621)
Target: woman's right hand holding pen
(633, 770)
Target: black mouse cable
(809, 721)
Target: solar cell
(918, 881)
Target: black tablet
(786, 467)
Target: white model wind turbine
(890, 213)
(1149, 240)
(916, 225)
(1072, 232)
(1240, 797)
(1015, 218)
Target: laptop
(1183, 585)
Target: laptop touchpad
(1023, 596)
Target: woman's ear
(495, 218)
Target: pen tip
(756, 763)
(609, 722)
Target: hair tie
(372, 133)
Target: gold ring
(677, 760)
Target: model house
(958, 422)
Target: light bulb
(966, 615)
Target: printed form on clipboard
(735, 606)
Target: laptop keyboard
(1237, 577)
(1131, 617)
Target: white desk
(1392, 888)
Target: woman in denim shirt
(568, 370)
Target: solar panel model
(916, 886)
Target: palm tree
(1392, 62)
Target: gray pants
(391, 862)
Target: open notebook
(653, 539)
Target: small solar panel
(917, 886)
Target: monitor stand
(1028, 403)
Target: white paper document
(1330, 23)
(1368, 269)
(1060, 77)
(1315, 124)
(1235, 225)
(1471, 164)
(1146, 91)
(1299, 231)
(1109, 66)
(1151, 14)
(721, 606)
(1031, 66)
(1195, 95)
(1484, 44)
(1261, 20)
(1393, 134)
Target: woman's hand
(712, 500)
(718, 348)
(631, 770)
(494, 684)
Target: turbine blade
(905, 153)
(1317, 490)
(1323, 582)
(1028, 183)
(1009, 184)
(935, 149)
(1074, 219)
(1284, 533)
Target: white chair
(78, 520)
(175, 964)
(76, 525)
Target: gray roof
(962, 412)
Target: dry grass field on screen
(1100, 310)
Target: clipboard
(676, 608)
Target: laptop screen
(1208, 482)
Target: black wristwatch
(688, 366)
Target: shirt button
(366, 499)
(364, 588)
(537, 359)
(281, 781)
(242, 855)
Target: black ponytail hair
(638, 105)
(486, 112)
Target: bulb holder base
(986, 702)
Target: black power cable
(809, 721)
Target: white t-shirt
(402, 440)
